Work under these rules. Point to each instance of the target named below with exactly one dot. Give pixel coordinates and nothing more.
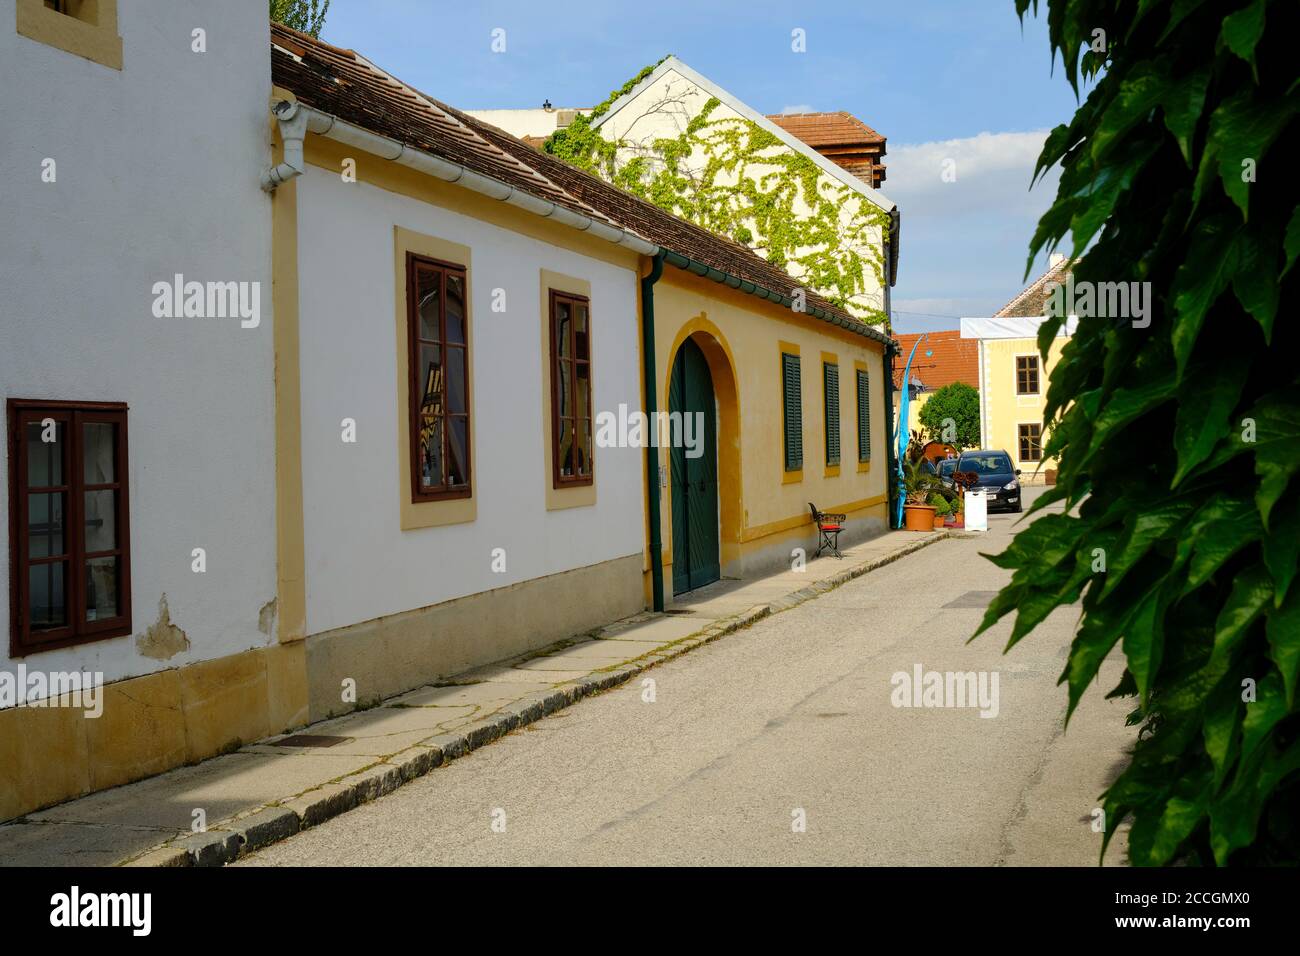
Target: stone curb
(240, 836)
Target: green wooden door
(694, 479)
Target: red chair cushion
(829, 527)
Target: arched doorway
(694, 476)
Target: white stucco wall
(157, 174)
(360, 564)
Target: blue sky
(957, 80)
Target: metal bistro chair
(829, 527)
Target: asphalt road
(790, 720)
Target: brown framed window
(1031, 442)
(1026, 374)
(70, 540)
(572, 446)
(438, 327)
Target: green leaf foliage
(956, 402)
(305, 16)
(1179, 443)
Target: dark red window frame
(77, 629)
(576, 477)
(1026, 374)
(416, 264)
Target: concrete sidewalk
(270, 790)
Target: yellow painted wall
(764, 509)
(913, 409)
(1005, 409)
(149, 724)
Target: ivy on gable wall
(737, 179)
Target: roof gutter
(296, 120)
(749, 288)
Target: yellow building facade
(764, 520)
(1013, 379)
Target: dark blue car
(998, 478)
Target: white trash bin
(977, 511)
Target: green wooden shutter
(864, 416)
(791, 386)
(831, 380)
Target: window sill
(438, 512)
(453, 494)
(18, 650)
(560, 497)
(98, 43)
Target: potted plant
(918, 484)
(956, 518)
(942, 508)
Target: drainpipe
(890, 352)
(653, 488)
(293, 128)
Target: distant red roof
(827, 129)
(954, 360)
(842, 138)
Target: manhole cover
(973, 599)
(310, 740)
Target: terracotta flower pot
(938, 522)
(918, 517)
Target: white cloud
(965, 239)
(978, 154)
(800, 108)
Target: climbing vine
(737, 179)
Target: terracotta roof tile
(842, 138)
(648, 220)
(349, 87)
(827, 129)
(954, 360)
(340, 83)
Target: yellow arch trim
(726, 389)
